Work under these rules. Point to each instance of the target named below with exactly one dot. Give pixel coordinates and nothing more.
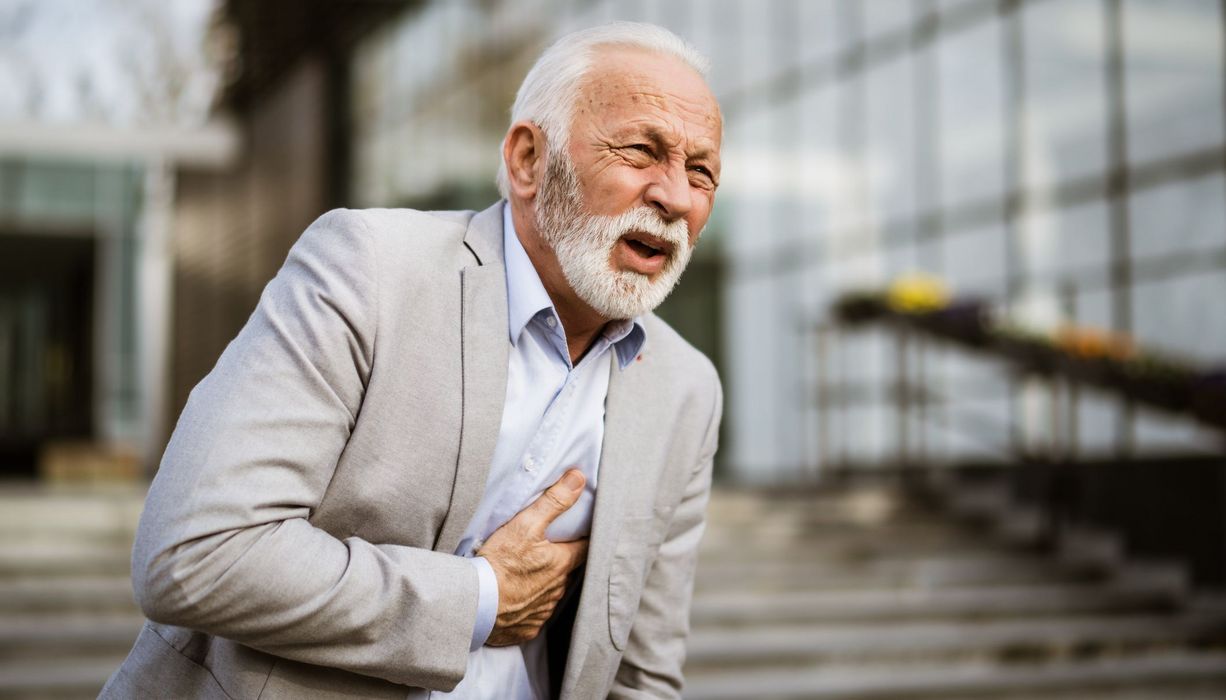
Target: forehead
(632, 90)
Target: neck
(581, 322)
(581, 328)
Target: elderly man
(454, 454)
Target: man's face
(623, 208)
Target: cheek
(608, 185)
(612, 195)
(696, 220)
(694, 231)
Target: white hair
(548, 94)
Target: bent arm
(655, 653)
(225, 545)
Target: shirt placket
(531, 468)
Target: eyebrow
(656, 136)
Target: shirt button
(551, 321)
(530, 464)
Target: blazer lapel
(620, 467)
(484, 353)
(618, 460)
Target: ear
(523, 151)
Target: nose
(669, 193)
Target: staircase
(67, 618)
(853, 593)
(859, 593)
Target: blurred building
(233, 228)
(129, 256)
(1061, 157)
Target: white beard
(584, 242)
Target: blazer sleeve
(225, 545)
(655, 652)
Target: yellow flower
(917, 293)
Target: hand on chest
(552, 420)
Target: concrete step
(33, 636)
(65, 678)
(1186, 675)
(809, 606)
(924, 572)
(65, 594)
(781, 520)
(860, 544)
(68, 557)
(78, 511)
(1037, 639)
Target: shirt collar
(526, 298)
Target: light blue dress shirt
(552, 420)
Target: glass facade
(1063, 158)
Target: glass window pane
(953, 5)
(1092, 308)
(901, 259)
(1097, 423)
(972, 116)
(889, 161)
(1179, 217)
(1065, 91)
(760, 50)
(882, 17)
(1182, 315)
(722, 44)
(975, 261)
(818, 20)
(1063, 243)
(854, 210)
(1173, 74)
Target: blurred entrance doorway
(46, 345)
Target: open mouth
(648, 246)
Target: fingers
(556, 500)
(527, 624)
(575, 553)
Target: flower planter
(1099, 358)
(856, 309)
(964, 321)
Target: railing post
(902, 402)
(824, 454)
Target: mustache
(646, 220)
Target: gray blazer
(297, 539)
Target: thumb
(556, 500)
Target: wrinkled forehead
(631, 84)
